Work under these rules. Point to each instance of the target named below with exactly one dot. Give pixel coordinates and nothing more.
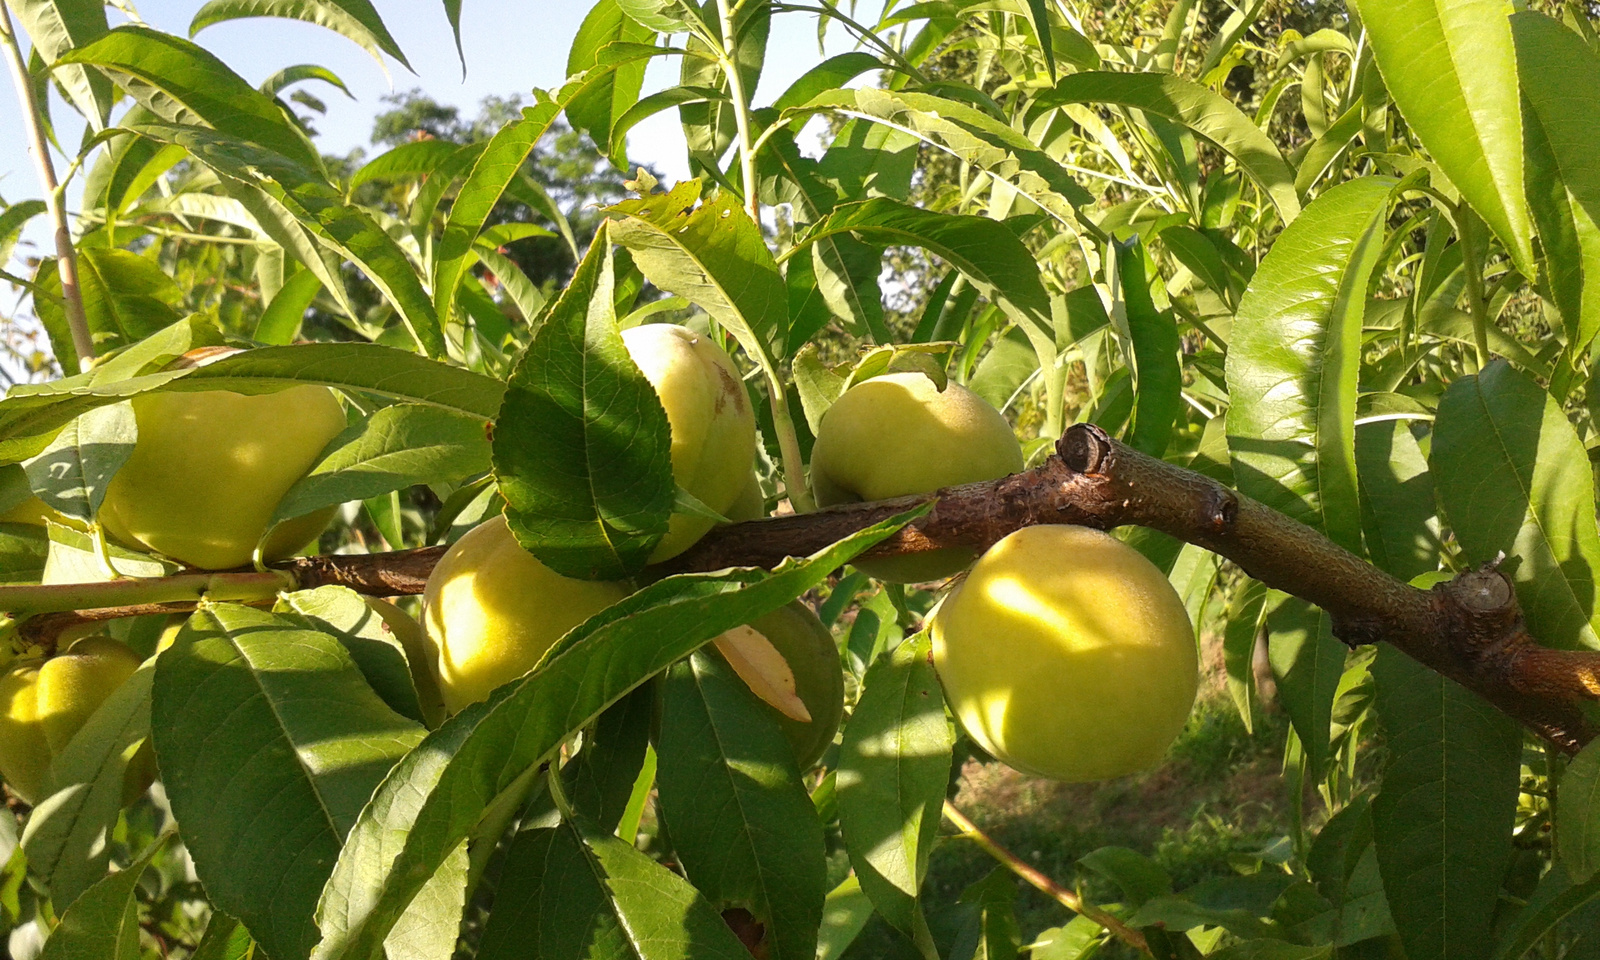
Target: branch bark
(1469, 629)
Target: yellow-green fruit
(713, 427)
(813, 657)
(492, 610)
(210, 467)
(897, 435)
(421, 655)
(44, 704)
(73, 685)
(24, 751)
(750, 504)
(1065, 653)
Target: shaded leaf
(356, 20)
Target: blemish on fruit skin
(731, 387)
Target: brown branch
(1469, 629)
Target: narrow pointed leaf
(1559, 76)
(1307, 661)
(1442, 819)
(395, 448)
(582, 446)
(126, 297)
(599, 782)
(714, 256)
(966, 133)
(1512, 476)
(1293, 358)
(574, 893)
(1451, 68)
(741, 822)
(893, 769)
(270, 743)
(356, 20)
(494, 169)
(280, 322)
(434, 798)
(55, 27)
(1201, 110)
(104, 923)
(594, 111)
(1158, 377)
(68, 836)
(1578, 816)
(73, 472)
(203, 84)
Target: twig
(1469, 629)
(66, 256)
(1042, 883)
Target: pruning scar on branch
(1469, 629)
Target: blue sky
(511, 47)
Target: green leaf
(286, 192)
(1451, 68)
(582, 446)
(1578, 816)
(202, 84)
(1138, 877)
(987, 253)
(845, 913)
(381, 656)
(289, 76)
(12, 220)
(434, 798)
(893, 768)
(31, 413)
(225, 939)
(280, 322)
(833, 72)
(126, 297)
(23, 549)
(1158, 376)
(573, 893)
(55, 27)
(1512, 476)
(1555, 899)
(397, 447)
(644, 109)
(1307, 661)
(68, 835)
(599, 782)
(594, 111)
(1293, 359)
(990, 932)
(411, 160)
(965, 133)
(1559, 72)
(1245, 612)
(104, 923)
(494, 169)
(1397, 506)
(356, 20)
(1442, 819)
(1272, 950)
(270, 743)
(710, 127)
(714, 256)
(741, 822)
(1200, 110)
(72, 473)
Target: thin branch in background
(1042, 883)
(66, 256)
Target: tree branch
(1470, 629)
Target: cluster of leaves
(1373, 310)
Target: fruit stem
(794, 469)
(60, 597)
(1042, 883)
(66, 255)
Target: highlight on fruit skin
(897, 435)
(491, 610)
(44, 703)
(712, 423)
(209, 468)
(1066, 654)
